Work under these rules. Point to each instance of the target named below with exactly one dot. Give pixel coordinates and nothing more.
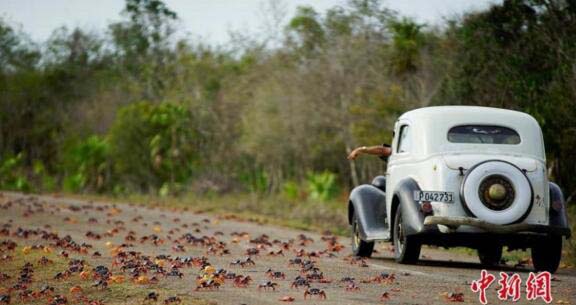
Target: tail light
(426, 207)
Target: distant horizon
(210, 21)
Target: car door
(401, 152)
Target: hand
(354, 154)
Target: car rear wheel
(360, 247)
(490, 255)
(546, 254)
(406, 248)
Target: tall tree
(521, 55)
(144, 43)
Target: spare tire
(497, 192)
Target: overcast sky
(209, 19)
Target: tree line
(134, 108)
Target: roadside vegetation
(570, 247)
(262, 124)
(310, 215)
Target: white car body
(434, 162)
(463, 176)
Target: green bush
(12, 174)
(152, 147)
(322, 186)
(87, 165)
(290, 190)
(256, 181)
(73, 183)
(45, 181)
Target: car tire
(490, 255)
(546, 254)
(360, 247)
(406, 248)
(519, 183)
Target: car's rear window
(480, 134)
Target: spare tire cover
(517, 198)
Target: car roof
(430, 126)
(470, 112)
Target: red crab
(382, 278)
(243, 263)
(277, 253)
(314, 291)
(252, 251)
(300, 281)
(151, 296)
(172, 300)
(267, 285)
(385, 296)
(242, 281)
(351, 286)
(275, 274)
(207, 285)
(455, 297)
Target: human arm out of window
(379, 150)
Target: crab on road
(315, 291)
(267, 284)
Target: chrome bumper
(456, 221)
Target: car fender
(411, 213)
(558, 217)
(369, 204)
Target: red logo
(537, 286)
(509, 287)
(482, 284)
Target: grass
(309, 215)
(570, 245)
(125, 293)
(510, 257)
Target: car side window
(404, 139)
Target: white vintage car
(463, 176)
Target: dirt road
(119, 228)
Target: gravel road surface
(440, 274)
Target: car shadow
(472, 265)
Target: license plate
(446, 197)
